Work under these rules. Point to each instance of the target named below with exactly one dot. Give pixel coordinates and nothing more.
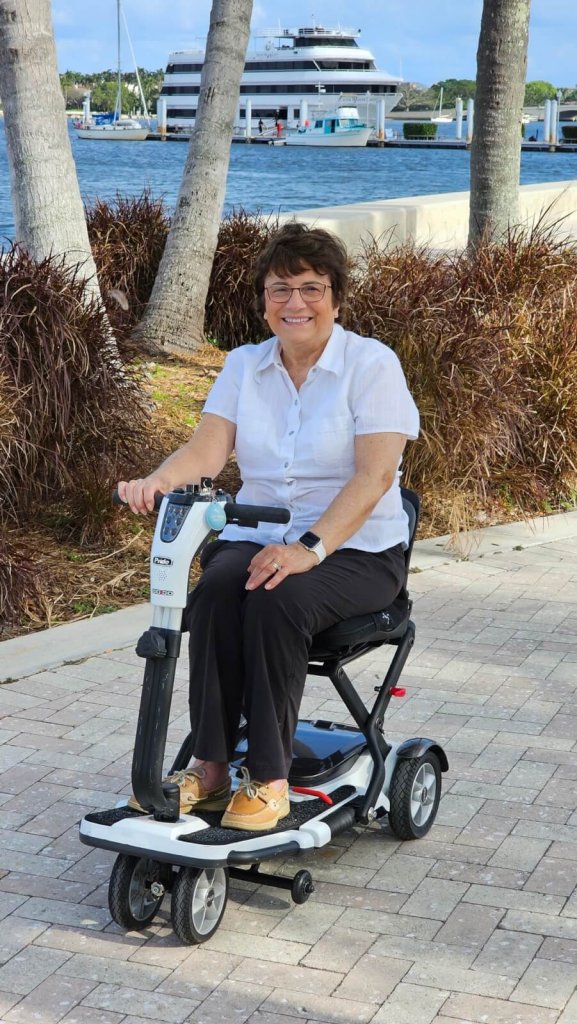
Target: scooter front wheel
(414, 796)
(198, 903)
(135, 891)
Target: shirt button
(296, 401)
(286, 465)
(290, 433)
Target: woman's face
(301, 320)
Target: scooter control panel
(174, 517)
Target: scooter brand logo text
(160, 560)
(163, 593)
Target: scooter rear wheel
(198, 903)
(132, 900)
(414, 796)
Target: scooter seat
(374, 628)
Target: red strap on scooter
(397, 691)
(314, 792)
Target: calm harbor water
(282, 178)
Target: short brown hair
(294, 248)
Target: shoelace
(247, 785)
(181, 776)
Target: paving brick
(401, 873)
(553, 875)
(148, 1005)
(514, 899)
(233, 1003)
(84, 940)
(495, 1011)
(469, 925)
(130, 975)
(301, 979)
(339, 948)
(86, 1015)
(519, 854)
(510, 951)
(546, 983)
(29, 968)
(461, 979)
(372, 979)
(435, 898)
(50, 1001)
(317, 1007)
(390, 924)
(261, 948)
(411, 1004)
(61, 912)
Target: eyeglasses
(308, 292)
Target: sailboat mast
(118, 107)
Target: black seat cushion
(375, 627)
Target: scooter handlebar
(117, 500)
(251, 515)
(242, 515)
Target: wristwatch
(312, 542)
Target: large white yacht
(289, 75)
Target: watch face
(309, 539)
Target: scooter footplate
(300, 812)
(114, 815)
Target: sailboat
(441, 118)
(114, 126)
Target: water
(282, 178)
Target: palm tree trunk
(496, 146)
(174, 318)
(48, 209)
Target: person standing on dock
(260, 125)
(279, 129)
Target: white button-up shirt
(296, 448)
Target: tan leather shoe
(256, 807)
(193, 793)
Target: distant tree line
(418, 97)
(102, 88)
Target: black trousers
(249, 649)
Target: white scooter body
(364, 772)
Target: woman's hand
(277, 561)
(139, 494)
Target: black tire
(199, 900)
(130, 899)
(414, 796)
(302, 887)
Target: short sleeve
(380, 399)
(223, 396)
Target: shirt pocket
(333, 442)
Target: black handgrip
(252, 515)
(117, 500)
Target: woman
(319, 418)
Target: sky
(422, 41)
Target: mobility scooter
(341, 776)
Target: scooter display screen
(173, 519)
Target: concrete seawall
(441, 220)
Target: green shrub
(419, 130)
(569, 132)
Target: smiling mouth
(297, 319)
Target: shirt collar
(332, 358)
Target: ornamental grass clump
(70, 412)
(231, 316)
(488, 343)
(127, 237)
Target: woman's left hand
(277, 561)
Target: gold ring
(276, 566)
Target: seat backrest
(411, 505)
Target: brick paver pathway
(477, 922)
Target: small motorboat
(341, 128)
